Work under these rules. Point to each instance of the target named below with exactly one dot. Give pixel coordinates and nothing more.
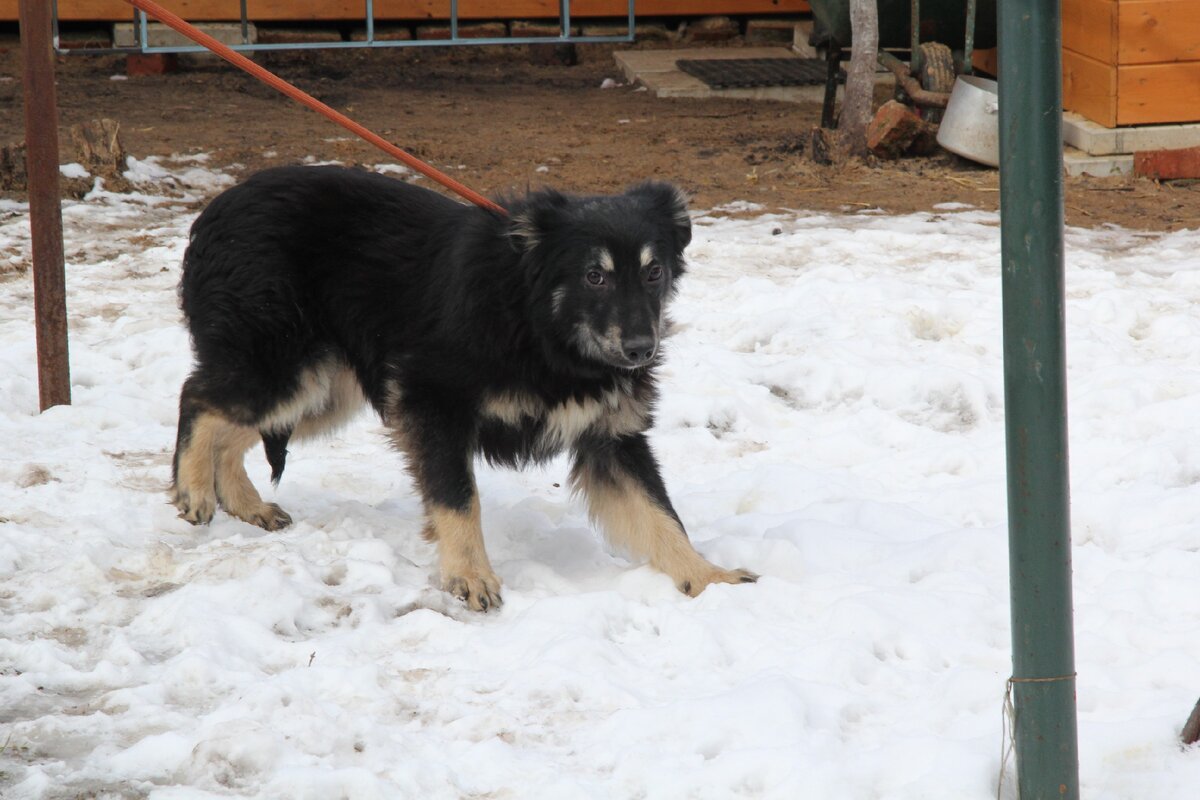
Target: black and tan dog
(311, 290)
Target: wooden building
(1132, 62)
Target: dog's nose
(640, 349)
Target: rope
(279, 84)
(1008, 722)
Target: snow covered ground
(832, 419)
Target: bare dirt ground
(502, 124)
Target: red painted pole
(45, 209)
(180, 25)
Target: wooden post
(45, 210)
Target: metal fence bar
(54, 25)
(141, 26)
(1035, 400)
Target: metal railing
(142, 29)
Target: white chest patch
(614, 413)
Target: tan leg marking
(631, 521)
(194, 492)
(235, 492)
(466, 572)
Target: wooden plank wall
(1132, 62)
(308, 10)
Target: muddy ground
(502, 123)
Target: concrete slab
(1077, 162)
(158, 35)
(1097, 140)
(800, 37)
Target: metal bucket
(971, 125)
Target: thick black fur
(436, 307)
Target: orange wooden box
(1132, 62)
(307, 10)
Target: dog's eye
(655, 273)
(595, 277)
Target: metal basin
(971, 125)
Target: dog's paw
(480, 591)
(196, 510)
(692, 587)
(269, 517)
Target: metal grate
(744, 73)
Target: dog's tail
(275, 446)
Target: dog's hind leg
(193, 470)
(627, 499)
(235, 492)
(208, 469)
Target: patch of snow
(73, 171)
(831, 417)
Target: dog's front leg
(466, 572)
(627, 499)
(440, 461)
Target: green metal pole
(1031, 207)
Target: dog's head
(601, 269)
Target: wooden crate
(307, 10)
(1132, 62)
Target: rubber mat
(743, 73)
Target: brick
(383, 33)
(1168, 164)
(985, 61)
(271, 35)
(893, 128)
(642, 31)
(472, 30)
(139, 64)
(75, 39)
(712, 29)
(770, 31)
(521, 28)
(554, 55)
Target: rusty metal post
(45, 209)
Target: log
(13, 175)
(98, 146)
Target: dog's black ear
(671, 202)
(541, 213)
